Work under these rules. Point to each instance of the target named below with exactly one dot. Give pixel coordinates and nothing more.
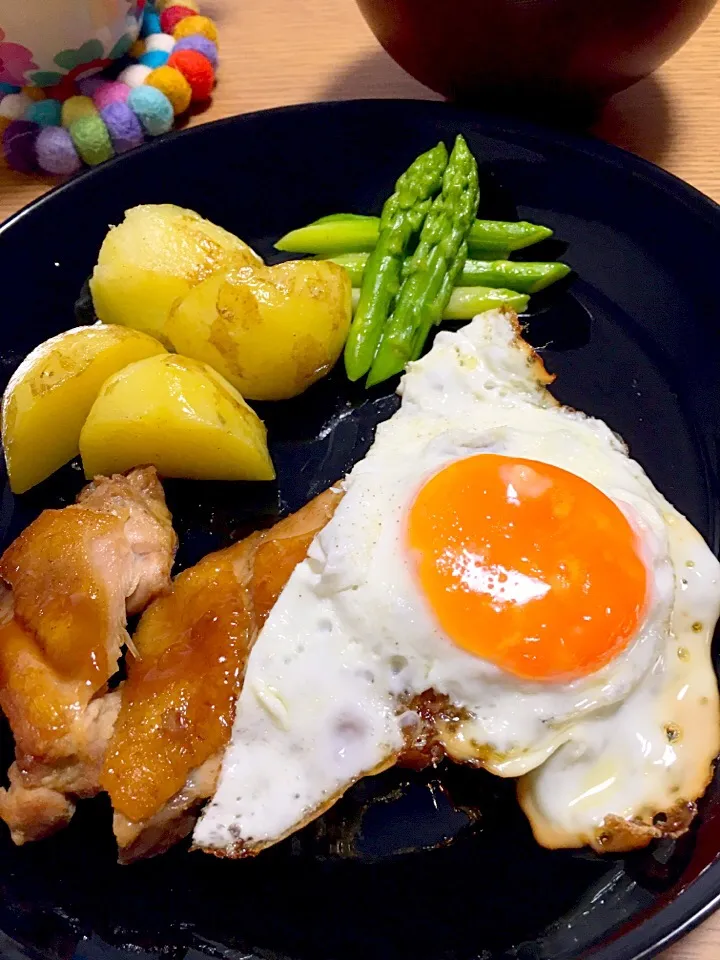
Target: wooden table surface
(289, 51)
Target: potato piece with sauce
(271, 331)
(51, 392)
(158, 253)
(179, 415)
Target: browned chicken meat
(68, 583)
(179, 697)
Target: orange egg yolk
(527, 566)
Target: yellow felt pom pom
(190, 25)
(76, 107)
(137, 49)
(35, 93)
(173, 84)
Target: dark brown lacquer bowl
(568, 49)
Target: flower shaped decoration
(86, 60)
(15, 61)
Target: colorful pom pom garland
(175, 59)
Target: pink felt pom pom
(111, 92)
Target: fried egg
(506, 555)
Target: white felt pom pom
(159, 41)
(135, 75)
(14, 105)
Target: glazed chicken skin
(68, 583)
(177, 704)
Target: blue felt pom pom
(154, 58)
(152, 108)
(151, 23)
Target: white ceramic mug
(49, 42)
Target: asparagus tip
(559, 272)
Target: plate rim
(680, 916)
(605, 152)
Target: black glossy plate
(439, 866)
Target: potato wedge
(179, 415)
(153, 257)
(271, 331)
(50, 394)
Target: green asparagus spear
(512, 275)
(434, 313)
(402, 216)
(332, 236)
(466, 302)
(354, 263)
(339, 217)
(509, 234)
(523, 277)
(489, 239)
(431, 272)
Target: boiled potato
(51, 392)
(271, 331)
(153, 257)
(179, 415)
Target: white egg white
(634, 774)
(352, 640)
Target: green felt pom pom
(92, 140)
